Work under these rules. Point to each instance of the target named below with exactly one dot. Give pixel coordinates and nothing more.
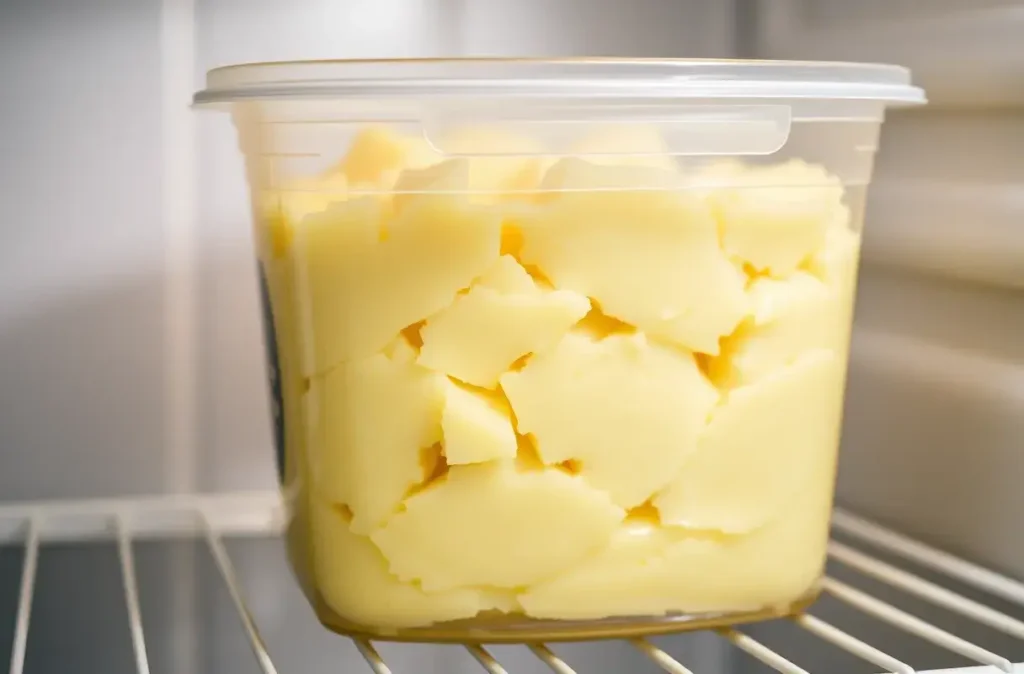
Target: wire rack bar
(131, 595)
(660, 657)
(227, 572)
(548, 657)
(372, 657)
(25, 592)
(761, 652)
(912, 624)
(972, 574)
(852, 644)
(486, 659)
(212, 518)
(926, 590)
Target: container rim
(571, 78)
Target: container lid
(570, 78)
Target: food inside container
(558, 348)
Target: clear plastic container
(557, 349)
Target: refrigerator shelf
(864, 548)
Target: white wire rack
(212, 518)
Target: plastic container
(557, 349)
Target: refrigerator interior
(131, 367)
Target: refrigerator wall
(83, 267)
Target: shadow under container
(557, 350)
